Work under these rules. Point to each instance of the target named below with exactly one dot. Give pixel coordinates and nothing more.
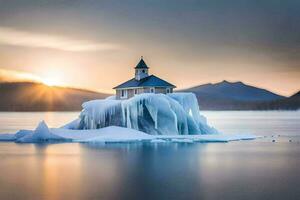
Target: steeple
(141, 64)
(141, 70)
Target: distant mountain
(27, 96)
(234, 91)
(296, 95)
(289, 103)
(239, 96)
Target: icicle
(176, 113)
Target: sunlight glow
(51, 81)
(52, 74)
(17, 76)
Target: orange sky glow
(95, 45)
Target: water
(258, 169)
(10, 122)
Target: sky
(95, 44)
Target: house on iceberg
(143, 83)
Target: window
(123, 93)
(135, 91)
(168, 90)
(143, 71)
(152, 90)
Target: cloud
(15, 37)
(17, 76)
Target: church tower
(141, 70)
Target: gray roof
(149, 81)
(141, 65)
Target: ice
(154, 118)
(99, 113)
(182, 140)
(22, 133)
(107, 134)
(155, 114)
(158, 141)
(111, 134)
(111, 97)
(7, 137)
(40, 134)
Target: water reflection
(152, 171)
(236, 170)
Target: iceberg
(154, 118)
(155, 114)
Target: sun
(51, 82)
(52, 78)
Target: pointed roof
(141, 64)
(149, 81)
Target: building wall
(130, 92)
(141, 73)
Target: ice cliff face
(156, 114)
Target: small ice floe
(7, 137)
(158, 141)
(40, 134)
(182, 140)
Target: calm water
(258, 169)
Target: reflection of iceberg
(156, 114)
(166, 118)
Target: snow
(110, 134)
(155, 114)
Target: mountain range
(239, 96)
(30, 96)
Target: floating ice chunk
(7, 137)
(13, 137)
(182, 140)
(158, 141)
(22, 133)
(40, 134)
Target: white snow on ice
(110, 134)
